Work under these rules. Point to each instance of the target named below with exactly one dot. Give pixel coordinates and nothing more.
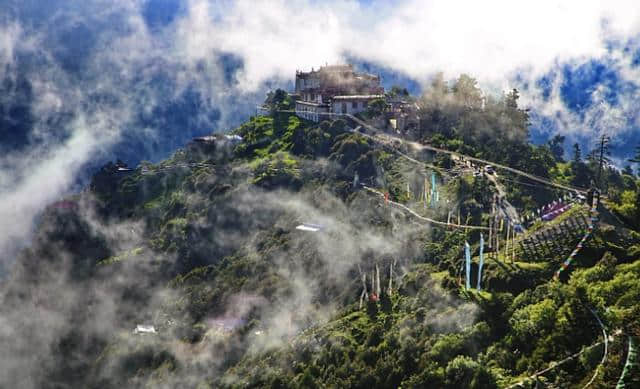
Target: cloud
(491, 40)
(102, 79)
(100, 63)
(95, 80)
(9, 36)
(504, 44)
(315, 269)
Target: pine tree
(581, 172)
(556, 147)
(636, 158)
(602, 152)
(577, 154)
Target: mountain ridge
(204, 247)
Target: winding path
(423, 218)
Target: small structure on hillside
(218, 139)
(145, 329)
(309, 227)
(227, 324)
(402, 114)
(204, 139)
(334, 89)
(213, 143)
(352, 103)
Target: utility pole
(604, 148)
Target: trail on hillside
(424, 218)
(380, 135)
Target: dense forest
(204, 247)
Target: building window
(344, 107)
(354, 105)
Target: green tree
(577, 154)
(372, 309)
(466, 92)
(627, 170)
(398, 91)
(386, 305)
(464, 372)
(581, 173)
(636, 158)
(278, 100)
(556, 144)
(519, 118)
(376, 107)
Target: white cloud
(488, 39)
(504, 44)
(9, 36)
(492, 40)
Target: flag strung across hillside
(425, 194)
(364, 295)
(553, 212)
(391, 277)
(467, 258)
(593, 218)
(434, 190)
(626, 378)
(481, 261)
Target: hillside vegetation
(204, 247)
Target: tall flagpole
(467, 257)
(481, 261)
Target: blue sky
(138, 78)
(566, 74)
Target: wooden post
(513, 245)
(490, 231)
(373, 281)
(506, 246)
(426, 193)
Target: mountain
(240, 262)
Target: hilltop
(205, 247)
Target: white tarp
(145, 329)
(309, 227)
(233, 138)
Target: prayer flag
(481, 260)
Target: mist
(88, 82)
